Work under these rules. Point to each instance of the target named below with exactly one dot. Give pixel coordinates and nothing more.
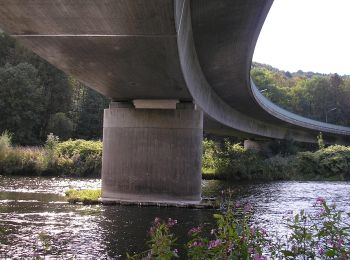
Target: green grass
(83, 196)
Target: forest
(37, 99)
(323, 97)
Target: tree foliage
(317, 96)
(37, 99)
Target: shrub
(81, 148)
(278, 168)
(234, 161)
(161, 244)
(50, 158)
(210, 149)
(79, 157)
(71, 158)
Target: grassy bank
(78, 158)
(81, 158)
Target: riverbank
(225, 161)
(72, 158)
(232, 162)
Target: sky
(308, 35)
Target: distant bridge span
(154, 54)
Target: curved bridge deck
(199, 50)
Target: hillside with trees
(323, 97)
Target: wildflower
(151, 230)
(247, 208)
(195, 230)
(321, 251)
(175, 251)
(156, 220)
(259, 257)
(321, 212)
(212, 232)
(320, 201)
(252, 231)
(171, 222)
(214, 243)
(196, 244)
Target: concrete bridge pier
(152, 155)
(259, 146)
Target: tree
(21, 102)
(90, 123)
(60, 125)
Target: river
(34, 207)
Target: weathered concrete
(258, 146)
(152, 155)
(199, 50)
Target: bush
(232, 161)
(77, 158)
(80, 158)
(210, 149)
(81, 148)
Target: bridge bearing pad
(152, 155)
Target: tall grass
(77, 158)
(5, 144)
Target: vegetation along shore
(221, 160)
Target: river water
(33, 210)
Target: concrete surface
(197, 50)
(152, 155)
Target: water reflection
(30, 207)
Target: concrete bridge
(172, 68)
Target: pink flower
(247, 208)
(194, 230)
(320, 200)
(156, 220)
(321, 251)
(259, 257)
(171, 222)
(196, 244)
(252, 231)
(214, 243)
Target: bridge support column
(260, 146)
(152, 155)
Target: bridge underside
(190, 52)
